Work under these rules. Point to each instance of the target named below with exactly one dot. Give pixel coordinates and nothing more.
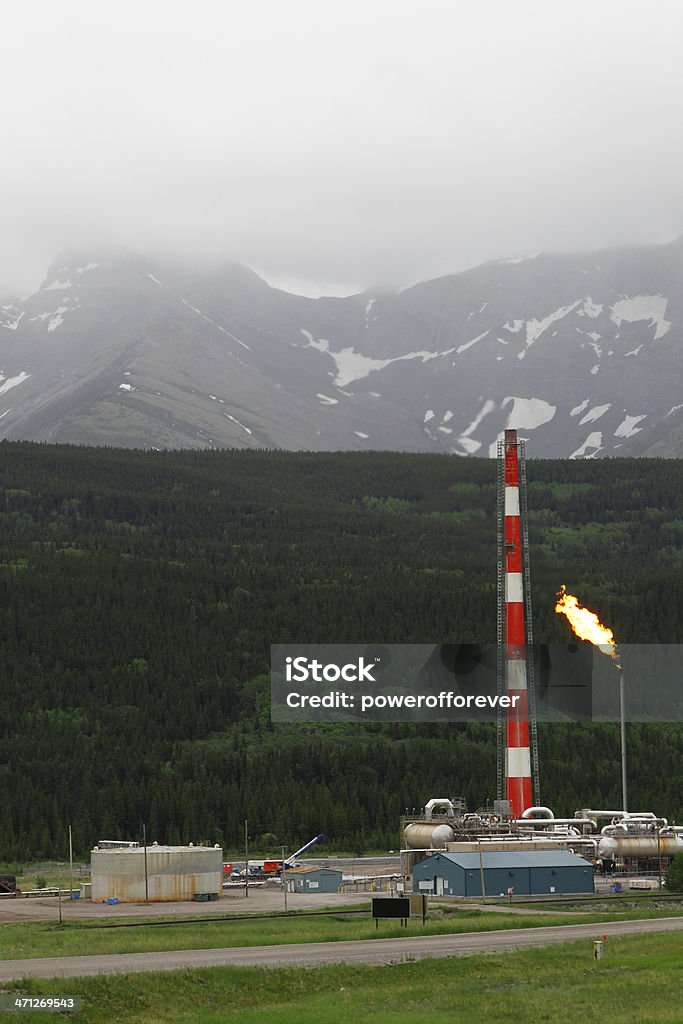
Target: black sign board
(396, 907)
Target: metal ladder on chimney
(500, 627)
(533, 723)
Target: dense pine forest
(140, 593)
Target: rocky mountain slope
(582, 353)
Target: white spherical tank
(428, 837)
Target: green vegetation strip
(638, 980)
(33, 939)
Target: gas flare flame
(586, 624)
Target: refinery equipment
(627, 842)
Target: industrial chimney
(517, 743)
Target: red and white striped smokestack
(517, 751)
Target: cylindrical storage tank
(428, 837)
(173, 873)
(614, 847)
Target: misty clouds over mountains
(582, 353)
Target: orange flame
(586, 624)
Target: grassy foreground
(39, 938)
(638, 982)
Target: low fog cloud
(369, 143)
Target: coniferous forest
(140, 593)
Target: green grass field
(638, 982)
(37, 939)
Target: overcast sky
(337, 146)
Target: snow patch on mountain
(468, 344)
(57, 285)
(595, 413)
(593, 441)
(326, 400)
(56, 320)
(642, 307)
(528, 413)
(627, 427)
(525, 414)
(12, 382)
(210, 321)
(465, 440)
(486, 408)
(590, 309)
(352, 365)
(470, 445)
(579, 408)
(513, 326)
(232, 418)
(535, 328)
(429, 415)
(14, 318)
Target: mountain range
(583, 353)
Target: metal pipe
(622, 717)
(539, 822)
(538, 812)
(588, 812)
(438, 802)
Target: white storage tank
(427, 835)
(173, 873)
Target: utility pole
(284, 877)
(71, 866)
(622, 716)
(246, 860)
(144, 843)
(481, 873)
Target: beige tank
(614, 847)
(419, 836)
(173, 873)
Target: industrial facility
(312, 879)
(532, 872)
(519, 839)
(515, 847)
(138, 874)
